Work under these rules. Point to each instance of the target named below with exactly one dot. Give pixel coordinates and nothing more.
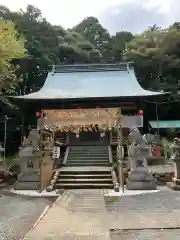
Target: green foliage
(156, 55)
(33, 44)
(11, 47)
(93, 31)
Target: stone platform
(28, 181)
(85, 214)
(140, 179)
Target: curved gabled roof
(97, 81)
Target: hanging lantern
(140, 112)
(38, 114)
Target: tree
(11, 48)
(93, 31)
(120, 39)
(156, 56)
(46, 45)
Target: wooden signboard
(74, 117)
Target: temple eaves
(90, 81)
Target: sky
(115, 15)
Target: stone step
(87, 156)
(87, 164)
(85, 175)
(88, 160)
(88, 153)
(85, 180)
(83, 186)
(89, 147)
(82, 171)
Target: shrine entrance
(89, 138)
(83, 126)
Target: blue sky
(116, 15)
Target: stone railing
(110, 154)
(115, 181)
(66, 155)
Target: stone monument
(29, 153)
(139, 178)
(29, 159)
(175, 184)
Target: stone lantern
(29, 153)
(139, 178)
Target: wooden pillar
(110, 137)
(120, 151)
(67, 138)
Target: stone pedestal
(175, 184)
(29, 159)
(140, 179)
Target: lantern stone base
(28, 181)
(140, 179)
(175, 184)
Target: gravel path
(18, 214)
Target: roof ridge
(98, 67)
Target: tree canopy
(29, 41)
(11, 48)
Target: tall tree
(11, 48)
(155, 54)
(120, 40)
(93, 31)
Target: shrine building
(86, 110)
(83, 103)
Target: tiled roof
(88, 81)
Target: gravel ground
(18, 214)
(165, 234)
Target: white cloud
(65, 12)
(69, 12)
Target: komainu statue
(139, 177)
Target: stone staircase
(86, 167)
(84, 178)
(88, 156)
